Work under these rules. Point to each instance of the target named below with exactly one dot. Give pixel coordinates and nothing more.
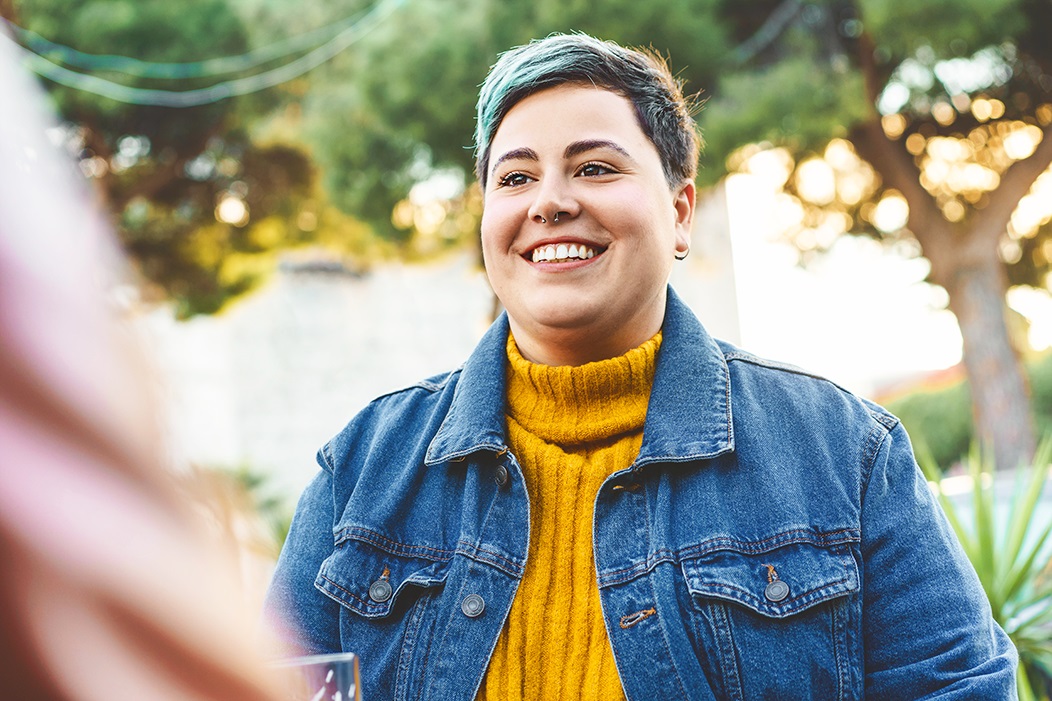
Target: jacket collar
(688, 418)
(475, 420)
(689, 415)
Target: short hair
(640, 75)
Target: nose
(554, 202)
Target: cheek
(497, 226)
(492, 243)
(489, 243)
(627, 200)
(634, 220)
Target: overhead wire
(176, 70)
(771, 29)
(219, 91)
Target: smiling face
(591, 285)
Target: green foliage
(1009, 545)
(693, 34)
(796, 103)
(199, 261)
(1041, 392)
(948, 27)
(165, 173)
(152, 30)
(369, 191)
(940, 420)
(272, 509)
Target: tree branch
(7, 11)
(164, 173)
(771, 29)
(992, 221)
(870, 73)
(897, 169)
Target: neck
(580, 345)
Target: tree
(199, 203)
(942, 106)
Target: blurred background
(291, 184)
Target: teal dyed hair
(641, 76)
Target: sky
(861, 315)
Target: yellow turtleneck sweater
(569, 428)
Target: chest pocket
(373, 576)
(774, 624)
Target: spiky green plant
(1011, 558)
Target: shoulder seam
(431, 385)
(878, 414)
(877, 441)
(751, 359)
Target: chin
(556, 323)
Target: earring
(682, 256)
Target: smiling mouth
(559, 252)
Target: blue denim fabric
(750, 472)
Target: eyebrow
(579, 147)
(525, 153)
(574, 149)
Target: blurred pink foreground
(108, 590)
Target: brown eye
(513, 180)
(591, 170)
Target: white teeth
(562, 252)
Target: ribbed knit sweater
(569, 428)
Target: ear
(684, 199)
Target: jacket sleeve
(304, 618)
(928, 629)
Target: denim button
(380, 591)
(473, 605)
(502, 475)
(776, 590)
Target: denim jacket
(774, 539)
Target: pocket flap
(809, 574)
(370, 580)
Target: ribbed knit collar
(570, 405)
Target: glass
(321, 677)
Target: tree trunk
(1000, 395)
(965, 262)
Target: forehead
(568, 113)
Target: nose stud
(542, 220)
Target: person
(109, 587)
(603, 501)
